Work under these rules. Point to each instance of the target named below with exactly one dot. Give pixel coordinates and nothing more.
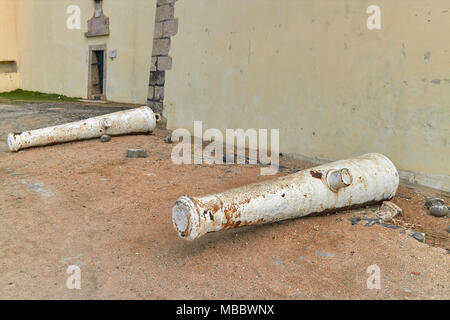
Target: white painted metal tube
(329, 187)
(118, 123)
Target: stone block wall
(166, 26)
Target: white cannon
(139, 120)
(369, 178)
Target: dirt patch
(417, 217)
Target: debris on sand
(136, 153)
(105, 138)
(439, 211)
(388, 211)
(368, 222)
(433, 202)
(168, 139)
(437, 207)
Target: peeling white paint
(123, 122)
(371, 177)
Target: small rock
(168, 139)
(433, 202)
(402, 196)
(418, 236)
(276, 262)
(370, 222)
(136, 153)
(391, 226)
(439, 211)
(354, 220)
(105, 138)
(448, 229)
(388, 210)
(324, 254)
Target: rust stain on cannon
(316, 174)
(235, 224)
(186, 231)
(233, 214)
(209, 204)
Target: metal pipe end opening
(337, 179)
(12, 143)
(185, 218)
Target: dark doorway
(97, 72)
(99, 55)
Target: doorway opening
(97, 72)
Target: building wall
(55, 59)
(312, 69)
(8, 46)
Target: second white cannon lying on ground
(139, 120)
(369, 178)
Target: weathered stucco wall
(312, 69)
(8, 45)
(55, 59)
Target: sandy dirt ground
(86, 204)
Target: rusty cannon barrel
(139, 120)
(338, 185)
